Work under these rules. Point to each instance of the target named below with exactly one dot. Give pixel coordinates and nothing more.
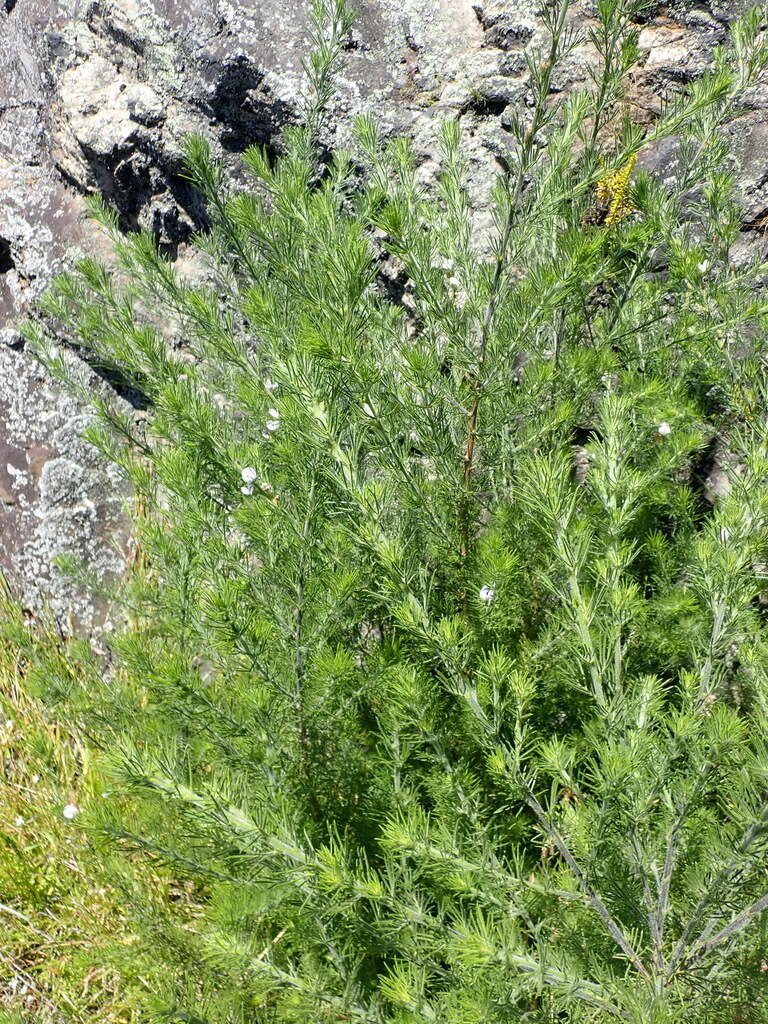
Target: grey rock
(56, 496)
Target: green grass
(68, 952)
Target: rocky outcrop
(97, 96)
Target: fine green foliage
(445, 673)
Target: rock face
(56, 498)
(97, 95)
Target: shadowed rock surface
(97, 96)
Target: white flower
(272, 425)
(266, 488)
(35, 779)
(18, 821)
(71, 811)
(368, 410)
(487, 594)
(270, 385)
(248, 474)
(246, 489)
(704, 267)
(274, 414)
(664, 428)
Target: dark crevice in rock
(124, 387)
(120, 384)
(678, 76)
(9, 5)
(504, 31)
(702, 466)
(184, 216)
(170, 208)
(486, 106)
(393, 283)
(6, 258)
(583, 433)
(648, 12)
(759, 223)
(245, 107)
(101, 24)
(411, 43)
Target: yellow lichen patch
(612, 193)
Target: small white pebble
(664, 428)
(35, 779)
(18, 821)
(270, 385)
(272, 425)
(71, 811)
(246, 489)
(274, 414)
(248, 474)
(266, 488)
(486, 594)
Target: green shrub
(444, 676)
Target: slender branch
(670, 860)
(613, 33)
(729, 932)
(713, 889)
(299, 661)
(331, 21)
(514, 197)
(171, 857)
(585, 991)
(597, 904)
(639, 860)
